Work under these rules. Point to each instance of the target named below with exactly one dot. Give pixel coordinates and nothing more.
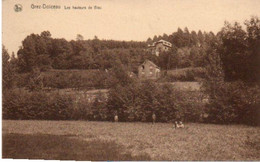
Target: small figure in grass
(116, 117)
(175, 124)
(154, 118)
(178, 124)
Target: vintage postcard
(119, 80)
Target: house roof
(149, 62)
(164, 42)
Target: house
(159, 46)
(148, 70)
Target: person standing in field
(154, 118)
(116, 118)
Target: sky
(119, 19)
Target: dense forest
(45, 52)
(229, 59)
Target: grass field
(82, 140)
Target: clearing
(85, 140)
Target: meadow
(85, 140)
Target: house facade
(160, 46)
(148, 70)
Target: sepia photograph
(139, 80)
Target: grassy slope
(159, 141)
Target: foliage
(76, 79)
(119, 75)
(9, 70)
(36, 105)
(137, 102)
(234, 103)
(44, 52)
(35, 80)
(240, 51)
(183, 75)
(133, 102)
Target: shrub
(184, 75)
(137, 102)
(60, 107)
(36, 105)
(234, 102)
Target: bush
(135, 101)
(36, 105)
(184, 75)
(234, 102)
(25, 105)
(138, 101)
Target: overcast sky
(120, 19)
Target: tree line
(44, 52)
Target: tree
(35, 80)
(168, 59)
(139, 100)
(149, 41)
(96, 45)
(14, 63)
(178, 38)
(79, 37)
(232, 98)
(155, 38)
(46, 34)
(213, 82)
(195, 57)
(194, 38)
(8, 71)
(200, 38)
(253, 32)
(33, 46)
(165, 37)
(240, 51)
(187, 37)
(43, 52)
(119, 75)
